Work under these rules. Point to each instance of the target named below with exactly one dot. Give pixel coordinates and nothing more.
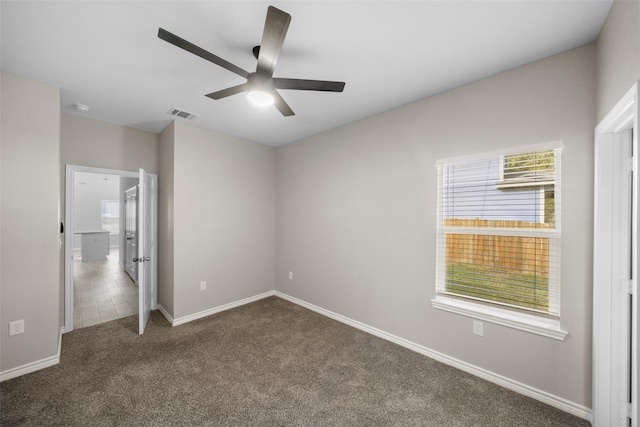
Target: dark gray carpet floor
(269, 363)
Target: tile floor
(102, 291)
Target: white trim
(165, 313)
(550, 233)
(622, 115)
(538, 325)
(209, 312)
(540, 395)
(553, 145)
(28, 368)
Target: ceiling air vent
(183, 114)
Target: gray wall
(95, 143)
(618, 54)
(223, 218)
(357, 216)
(29, 225)
(165, 220)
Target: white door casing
(69, 232)
(615, 301)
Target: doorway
(114, 279)
(615, 296)
(101, 290)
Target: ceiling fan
(260, 85)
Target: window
(110, 210)
(498, 238)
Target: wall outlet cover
(16, 327)
(478, 328)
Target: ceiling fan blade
(281, 105)
(275, 30)
(190, 47)
(228, 91)
(300, 84)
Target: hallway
(102, 291)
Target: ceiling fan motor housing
(260, 82)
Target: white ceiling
(107, 54)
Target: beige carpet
(269, 363)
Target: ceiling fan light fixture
(260, 98)
(260, 89)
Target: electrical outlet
(203, 286)
(16, 327)
(478, 328)
(291, 275)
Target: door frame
(69, 232)
(615, 321)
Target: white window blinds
(499, 229)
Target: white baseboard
(165, 313)
(209, 312)
(543, 396)
(34, 366)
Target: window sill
(513, 319)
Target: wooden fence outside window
(519, 255)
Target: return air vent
(183, 114)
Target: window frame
(106, 215)
(522, 319)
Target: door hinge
(628, 164)
(627, 286)
(626, 410)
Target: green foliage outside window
(526, 162)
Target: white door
(147, 247)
